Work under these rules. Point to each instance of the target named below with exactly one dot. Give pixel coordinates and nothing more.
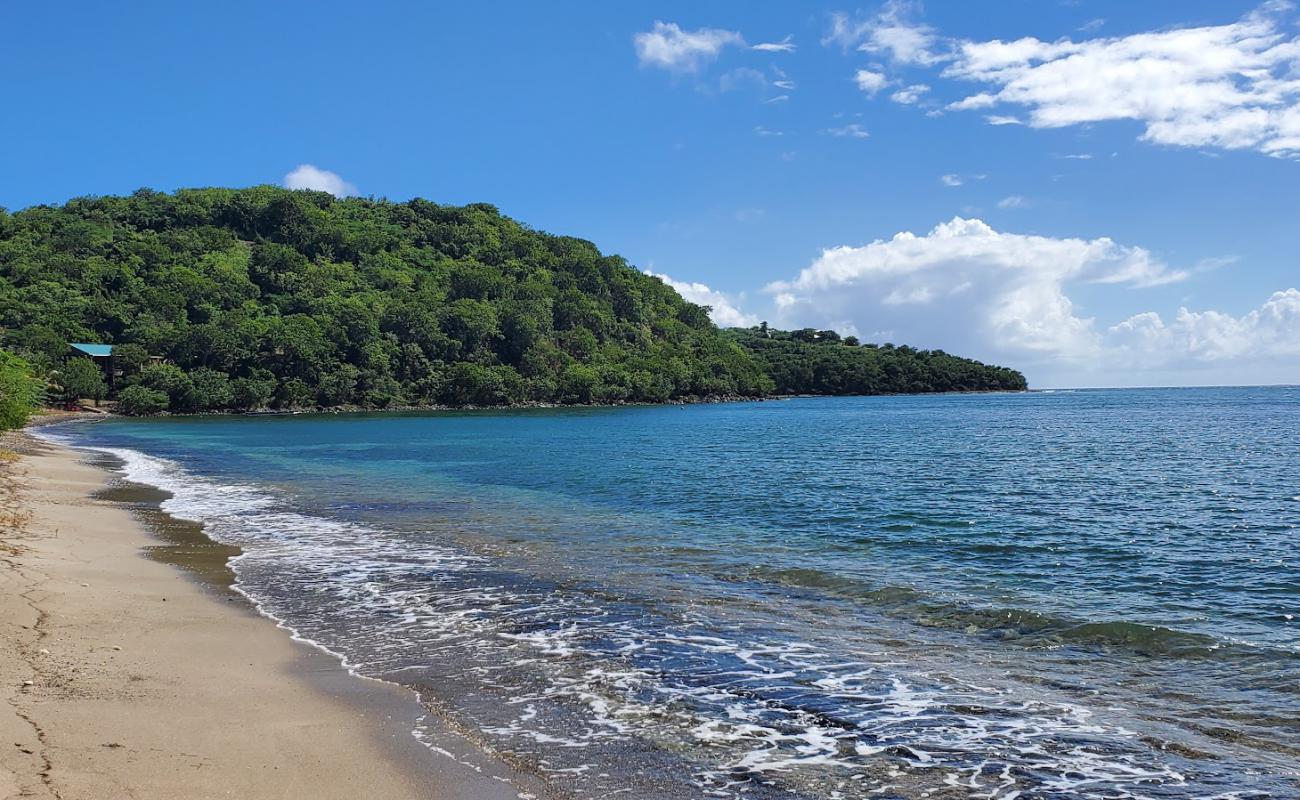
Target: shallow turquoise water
(1072, 594)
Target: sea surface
(1090, 594)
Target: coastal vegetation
(217, 299)
(809, 361)
(20, 391)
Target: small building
(101, 354)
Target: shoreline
(133, 668)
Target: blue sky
(1099, 193)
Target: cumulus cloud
(892, 33)
(1232, 86)
(870, 82)
(966, 282)
(910, 95)
(1268, 332)
(667, 46)
(308, 176)
(722, 310)
(1005, 297)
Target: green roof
(93, 350)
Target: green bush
(140, 400)
(81, 377)
(20, 391)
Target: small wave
(1025, 627)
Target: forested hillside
(821, 362)
(266, 297)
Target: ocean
(1073, 594)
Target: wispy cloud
(893, 33)
(667, 46)
(852, 131)
(786, 45)
(1013, 201)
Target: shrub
(20, 391)
(140, 400)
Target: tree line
(810, 361)
(270, 298)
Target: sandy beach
(130, 670)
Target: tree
(81, 377)
(20, 391)
(254, 391)
(140, 401)
(210, 389)
(129, 358)
(172, 381)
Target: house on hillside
(101, 354)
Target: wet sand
(130, 669)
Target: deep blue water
(1070, 594)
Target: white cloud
(891, 33)
(667, 46)
(1077, 156)
(786, 45)
(308, 176)
(967, 286)
(870, 82)
(723, 311)
(1271, 331)
(759, 130)
(1232, 86)
(951, 180)
(910, 94)
(1005, 298)
(853, 131)
(1013, 201)
(998, 119)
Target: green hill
(269, 297)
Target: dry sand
(127, 677)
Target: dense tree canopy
(266, 297)
(269, 297)
(821, 362)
